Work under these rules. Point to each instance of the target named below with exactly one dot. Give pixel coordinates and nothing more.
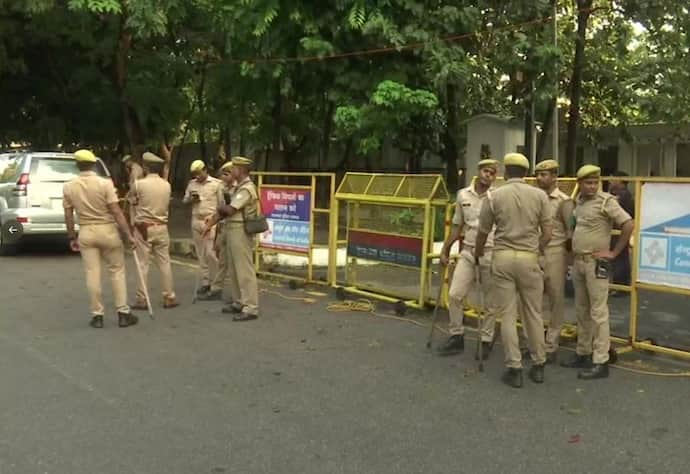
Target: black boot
(598, 371)
(211, 295)
(578, 362)
(203, 289)
(454, 345)
(96, 322)
(512, 377)
(551, 358)
(536, 373)
(232, 308)
(126, 319)
(484, 351)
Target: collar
(515, 180)
(555, 193)
(87, 173)
(245, 180)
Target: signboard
(387, 248)
(288, 212)
(664, 255)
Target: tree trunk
(329, 110)
(584, 12)
(450, 138)
(529, 122)
(202, 112)
(548, 123)
(277, 118)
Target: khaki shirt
(208, 194)
(136, 172)
(244, 199)
(224, 190)
(561, 206)
(152, 199)
(467, 207)
(90, 195)
(594, 219)
(519, 212)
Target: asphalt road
(301, 390)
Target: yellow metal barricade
(391, 223)
(299, 210)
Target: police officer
(202, 193)
(522, 218)
(242, 284)
(95, 201)
(556, 252)
(465, 220)
(596, 213)
(151, 196)
(225, 193)
(134, 172)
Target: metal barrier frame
(261, 176)
(430, 208)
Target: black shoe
(454, 345)
(536, 373)
(245, 317)
(126, 319)
(598, 371)
(96, 322)
(211, 295)
(578, 362)
(231, 309)
(551, 358)
(485, 350)
(513, 378)
(203, 289)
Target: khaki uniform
(594, 219)
(90, 195)
(136, 172)
(152, 202)
(242, 282)
(221, 240)
(467, 207)
(556, 264)
(201, 210)
(519, 212)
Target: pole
(554, 126)
(142, 283)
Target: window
(11, 172)
(58, 170)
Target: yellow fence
(298, 207)
(389, 234)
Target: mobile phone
(602, 269)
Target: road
(301, 390)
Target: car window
(58, 170)
(11, 172)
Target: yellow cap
(196, 166)
(516, 159)
(546, 165)
(241, 161)
(487, 162)
(126, 158)
(227, 166)
(84, 156)
(149, 157)
(588, 171)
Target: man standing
(134, 172)
(202, 193)
(151, 196)
(466, 220)
(522, 218)
(596, 213)
(244, 205)
(621, 264)
(95, 201)
(225, 193)
(556, 252)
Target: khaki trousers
(157, 245)
(462, 283)
(221, 253)
(102, 241)
(241, 272)
(208, 262)
(517, 277)
(591, 309)
(555, 269)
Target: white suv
(31, 195)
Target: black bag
(255, 224)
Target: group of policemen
(219, 210)
(522, 239)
